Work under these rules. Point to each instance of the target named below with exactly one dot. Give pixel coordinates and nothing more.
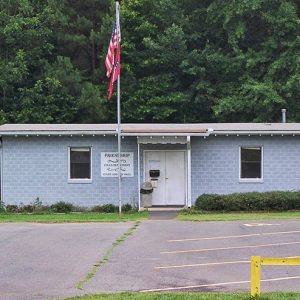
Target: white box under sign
(109, 164)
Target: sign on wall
(109, 164)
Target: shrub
(2, 206)
(77, 208)
(29, 208)
(105, 208)
(11, 208)
(127, 207)
(62, 207)
(253, 201)
(96, 208)
(110, 208)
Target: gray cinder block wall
(38, 167)
(215, 164)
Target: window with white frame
(80, 163)
(251, 163)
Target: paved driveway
(43, 261)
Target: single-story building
(78, 163)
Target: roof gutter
(257, 132)
(135, 133)
(57, 133)
(107, 132)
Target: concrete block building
(78, 163)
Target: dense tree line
(182, 61)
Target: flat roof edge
(57, 132)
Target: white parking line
(260, 224)
(211, 264)
(233, 236)
(217, 284)
(206, 265)
(227, 248)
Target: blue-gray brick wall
(38, 167)
(215, 164)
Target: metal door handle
(167, 177)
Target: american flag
(114, 42)
(115, 72)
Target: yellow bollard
(255, 275)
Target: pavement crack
(107, 255)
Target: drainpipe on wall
(283, 111)
(1, 170)
(189, 172)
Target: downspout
(1, 170)
(139, 175)
(189, 172)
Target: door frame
(185, 168)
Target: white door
(171, 184)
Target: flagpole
(119, 121)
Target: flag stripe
(113, 57)
(113, 44)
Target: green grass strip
(187, 296)
(107, 255)
(82, 217)
(194, 215)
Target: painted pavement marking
(217, 284)
(233, 236)
(210, 264)
(260, 224)
(227, 248)
(206, 265)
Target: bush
(2, 206)
(110, 208)
(29, 208)
(62, 207)
(253, 201)
(12, 208)
(105, 208)
(127, 207)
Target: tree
(182, 61)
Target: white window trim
(81, 180)
(249, 180)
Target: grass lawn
(72, 217)
(192, 215)
(187, 296)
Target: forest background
(182, 61)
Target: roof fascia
(257, 132)
(56, 133)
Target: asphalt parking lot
(211, 256)
(42, 261)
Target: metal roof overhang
(163, 140)
(149, 132)
(57, 133)
(166, 132)
(256, 132)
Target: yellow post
(255, 275)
